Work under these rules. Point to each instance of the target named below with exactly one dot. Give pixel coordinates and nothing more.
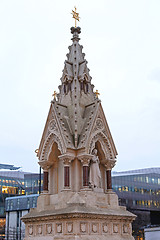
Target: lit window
(155, 204)
(4, 189)
(147, 180)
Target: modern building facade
(15, 183)
(11, 184)
(17, 207)
(139, 191)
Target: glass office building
(17, 207)
(11, 184)
(139, 191)
(15, 183)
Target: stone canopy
(76, 120)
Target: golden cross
(54, 95)
(75, 16)
(97, 93)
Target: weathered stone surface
(71, 208)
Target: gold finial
(97, 93)
(54, 95)
(75, 16)
(37, 151)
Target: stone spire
(77, 154)
(76, 90)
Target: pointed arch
(104, 142)
(47, 147)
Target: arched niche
(54, 172)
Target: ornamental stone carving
(49, 228)
(110, 164)
(105, 227)
(39, 229)
(69, 227)
(115, 228)
(66, 158)
(125, 228)
(45, 165)
(95, 227)
(59, 227)
(99, 125)
(30, 229)
(85, 159)
(53, 125)
(100, 137)
(83, 227)
(47, 147)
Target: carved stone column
(109, 180)
(45, 165)
(109, 165)
(85, 160)
(45, 180)
(67, 165)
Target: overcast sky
(121, 40)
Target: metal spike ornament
(75, 16)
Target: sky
(121, 40)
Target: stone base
(79, 227)
(78, 216)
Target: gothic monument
(77, 154)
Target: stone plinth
(86, 215)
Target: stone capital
(110, 164)
(85, 159)
(45, 165)
(66, 158)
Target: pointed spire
(76, 90)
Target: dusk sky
(121, 40)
